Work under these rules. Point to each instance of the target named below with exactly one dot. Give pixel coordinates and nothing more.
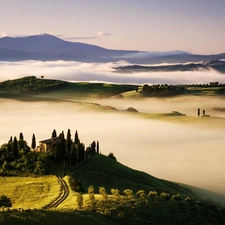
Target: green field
(30, 192)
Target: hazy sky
(196, 26)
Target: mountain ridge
(49, 47)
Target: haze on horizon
(162, 25)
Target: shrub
(141, 194)
(152, 194)
(116, 194)
(164, 195)
(5, 201)
(102, 191)
(79, 199)
(176, 197)
(111, 156)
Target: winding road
(62, 196)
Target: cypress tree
(15, 148)
(10, 140)
(62, 144)
(56, 152)
(21, 136)
(198, 112)
(68, 141)
(82, 156)
(21, 141)
(76, 139)
(73, 159)
(33, 143)
(54, 134)
(97, 147)
(93, 146)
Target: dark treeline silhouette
(17, 158)
(162, 90)
(72, 151)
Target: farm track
(63, 195)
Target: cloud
(72, 38)
(65, 37)
(101, 72)
(101, 34)
(11, 35)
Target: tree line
(162, 90)
(71, 151)
(17, 157)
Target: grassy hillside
(56, 217)
(35, 89)
(106, 172)
(30, 192)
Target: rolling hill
(48, 47)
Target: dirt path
(62, 196)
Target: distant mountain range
(48, 47)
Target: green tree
(80, 199)
(5, 201)
(33, 143)
(111, 156)
(91, 193)
(116, 194)
(129, 193)
(102, 191)
(15, 148)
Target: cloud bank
(101, 72)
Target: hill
(48, 47)
(36, 89)
(157, 209)
(209, 65)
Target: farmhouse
(46, 145)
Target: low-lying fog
(191, 155)
(101, 72)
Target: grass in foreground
(30, 192)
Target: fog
(189, 154)
(182, 152)
(101, 72)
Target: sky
(196, 26)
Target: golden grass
(30, 192)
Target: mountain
(48, 47)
